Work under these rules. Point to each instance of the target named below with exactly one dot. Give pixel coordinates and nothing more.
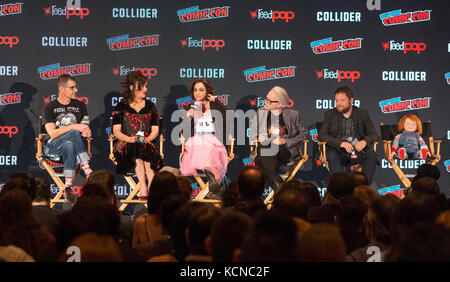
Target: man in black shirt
(349, 134)
(67, 122)
(279, 130)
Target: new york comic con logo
(397, 17)
(327, 45)
(56, 70)
(10, 98)
(447, 165)
(447, 77)
(10, 9)
(396, 105)
(184, 102)
(262, 74)
(395, 190)
(124, 42)
(194, 14)
(314, 135)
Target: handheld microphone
(140, 138)
(85, 120)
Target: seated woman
(204, 151)
(136, 125)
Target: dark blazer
(332, 127)
(218, 106)
(294, 125)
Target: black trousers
(270, 164)
(338, 158)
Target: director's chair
(323, 153)
(293, 166)
(205, 186)
(388, 133)
(135, 187)
(44, 159)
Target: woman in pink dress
(204, 151)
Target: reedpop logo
(203, 43)
(404, 46)
(339, 75)
(272, 15)
(147, 72)
(260, 102)
(73, 8)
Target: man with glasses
(278, 130)
(67, 122)
(349, 134)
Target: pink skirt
(204, 151)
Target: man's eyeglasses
(271, 101)
(72, 87)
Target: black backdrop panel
(395, 66)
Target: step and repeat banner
(395, 55)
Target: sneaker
(401, 153)
(68, 195)
(424, 153)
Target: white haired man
(279, 130)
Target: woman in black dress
(136, 126)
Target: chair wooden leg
(400, 174)
(135, 187)
(205, 189)
(289, 175)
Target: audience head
(322, 243)
(427, 185)
(185, 186)
(227, 235)
(230, 195)
(273, 238)
(43, 192)
(21, 180)
(444, 219)
(200, 224)
(359, 178)
(378, 220)
(292, 199)
(251, 183)
(365, 194)
(340, 185)
(350, 212)
(427, 170)
(312, 192)
(163, 185)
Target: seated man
(67, 122)
(279, 130)
(349, 134)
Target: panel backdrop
(396, 59)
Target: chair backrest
(389, 131)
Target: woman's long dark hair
(130, 80)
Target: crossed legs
(144, 173)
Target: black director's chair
(135, 187)
(294, 166)
(388, 133)
(323, 152)
(205, 186)
(45, 159)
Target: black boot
(275, 186)
(68, 196)
(214, 188)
